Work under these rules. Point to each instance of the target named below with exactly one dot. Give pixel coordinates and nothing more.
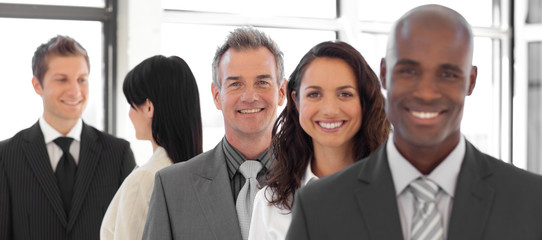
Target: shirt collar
(308, 176)
(234, 158)
(50, 134)
(445, 174)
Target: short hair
(433, 15)
(292, 147)
(248, 38)
(170, 85)
(57, 46)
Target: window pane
(534, 107)
(480, 122)
(78, 3)
(23, 106)
(478, 13)
(534, 11)
(298, 8)
(197, 44)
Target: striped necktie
(245, 199)
(427, 222)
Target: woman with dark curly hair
(334, 117)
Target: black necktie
(65, 172)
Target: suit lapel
(473, 197)
(38, 159)
(376, 197)
(88, 160)
(213, 191)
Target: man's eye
(448, 75)
(409, 71)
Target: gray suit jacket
(493, 200)
(30, 202)
(193, 200)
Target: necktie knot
(250, 168)
(424, 190)
(64, 143)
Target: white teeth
(251, 110)
(330, 125)
(424, 115)
(71, 103)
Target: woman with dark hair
(334, 117)
(165, 110)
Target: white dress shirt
(127, 212)
(444, 175)
(270, 222)
(54, 151)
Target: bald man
(427, 181)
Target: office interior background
(503, 117)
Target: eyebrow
(263, 76)
(445, 66)
(339, 88)
(234, 78)
(451, 67)
(407, 62)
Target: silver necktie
(245, 199)
(427, 222)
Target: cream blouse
(127, 212)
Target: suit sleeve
(157, 225)
(5, 209)
(298, 228)
(128, 162)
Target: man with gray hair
(210, 196)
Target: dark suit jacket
(193, 200)
(30, 202)
(493, 200)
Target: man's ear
(148, 108)
(216, 96)
(282, 91)
(37, 85)
(472, 80)
(383, 72)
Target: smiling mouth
(331, 125)
(424, 115)
(71, 102)
(247, 111)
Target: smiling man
(210, 196)
(58, 176)
(427, 181)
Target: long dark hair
(292, 148)
(171, 87)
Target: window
(527, 116)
